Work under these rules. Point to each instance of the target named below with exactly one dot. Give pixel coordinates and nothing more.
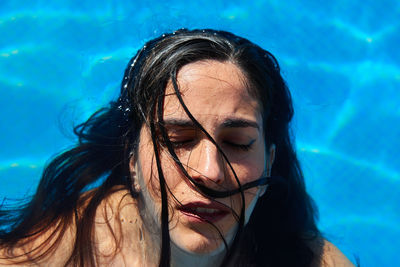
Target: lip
(216, 211)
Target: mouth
(200, 212)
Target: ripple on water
(374, 240)
(19, 179)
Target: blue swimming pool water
(61, 60)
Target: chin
(198, 243)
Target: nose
(206, 164)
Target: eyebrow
(178, 123)
(228, 123)
(239, 123)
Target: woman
(193, 164)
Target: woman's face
(216, 95)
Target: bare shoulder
(117, 230)
(329, 255)
(117, 219)
(32, 250)
(115, 227)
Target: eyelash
(244, 147)
(180, 144)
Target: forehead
(212, 90)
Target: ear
(271, 158)
(132, 161)
(133, 172)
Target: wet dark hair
(283, 222)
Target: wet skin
(217, 96)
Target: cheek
(252, 164)
(250, 169)
(249, 195)
(150, 174)
(147, 170)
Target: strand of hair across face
(242, 212)
(165, 258)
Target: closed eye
(182, 143)
(244, 147)
(188, 143)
